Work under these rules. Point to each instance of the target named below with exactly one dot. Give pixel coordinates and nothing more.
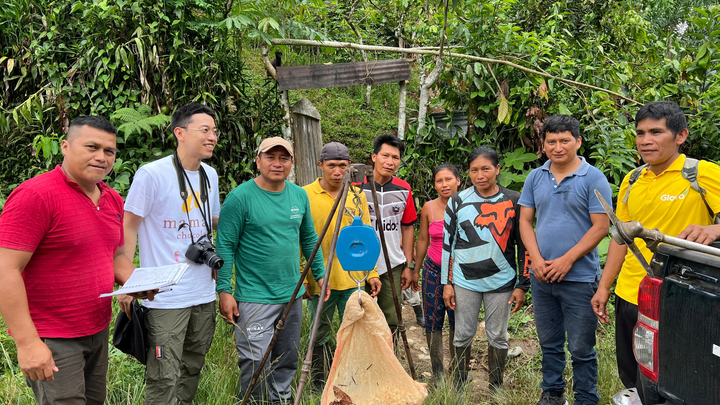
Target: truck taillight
(645, 341)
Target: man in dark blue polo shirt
(565, 262)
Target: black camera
(203, 252)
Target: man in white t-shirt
(180, 322)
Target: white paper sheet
(151, 278)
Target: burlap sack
(365, 370)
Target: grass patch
(220, 374)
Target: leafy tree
(60, 60)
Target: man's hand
(306, 295)
(327, 292)
(125, 302)
(449, 296)
(519, 297)
(406, 278)
(701, 234)
(228, 307)
(539, 267)
(375, 286)
(599, 304)
(36, 361)
(557, 269)
(145, 295)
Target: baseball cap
(334, 151)
(269, 143)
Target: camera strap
(204, 189)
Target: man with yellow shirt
(660, 198)
(334, 162)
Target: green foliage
(139, 121)
(61, 60)
(48, 147)
(425, 151)
(514, 169)
(614, 150)
(135, 61)
(583, 41)
(667, 14)
(698, 89)
(136, 151)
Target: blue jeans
(565, 307)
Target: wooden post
(308, 141)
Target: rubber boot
(496, 367)
(434, 341)
(461, 366)
(419, 315)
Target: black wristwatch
(410, 265)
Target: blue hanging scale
(358, 249)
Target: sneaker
(548, 399)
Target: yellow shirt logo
(191, 202)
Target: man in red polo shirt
(61, 246)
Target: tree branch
(270, 68)
(444, 31)
(437, 47)
(496, 80)
(228, 8)
(432, 78)
(350, 45)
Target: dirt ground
(478, 362)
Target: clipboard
(151, 278)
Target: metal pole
(699, 247)
(401, 325)
(281, 323)
(634, 229)
(307, 363)
(624, 233)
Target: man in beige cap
(264, 223)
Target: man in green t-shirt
(263, 224)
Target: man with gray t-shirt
(173, 203)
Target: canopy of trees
(135, 61)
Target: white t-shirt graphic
(155, 196)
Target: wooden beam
(342, 74)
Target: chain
(357, 201)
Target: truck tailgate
(689, 343)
